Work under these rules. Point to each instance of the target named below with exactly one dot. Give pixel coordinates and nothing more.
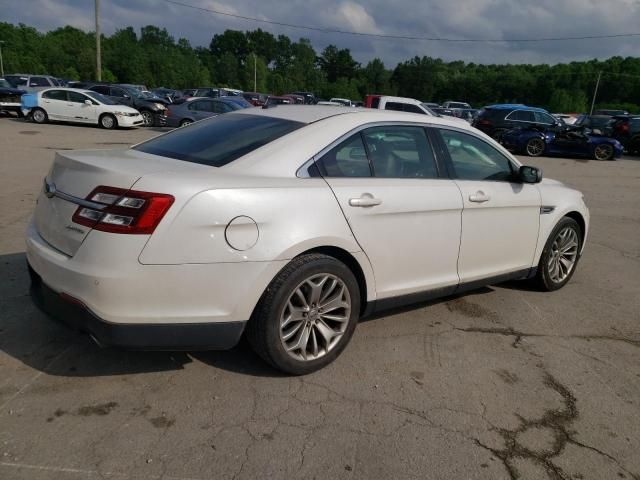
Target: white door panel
(409, 229)
(56, 109)
(500, 223)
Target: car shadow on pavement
(41, 343)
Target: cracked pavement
(501, 383)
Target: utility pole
(1, 64)
(595, 93)
(98, 56)
(255, 73)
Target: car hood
(11, 91)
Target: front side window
(348, 159)
(201, 106)
(400, 152)
(544, 118)
(474, 159)
(220, 140)
(76, 97)
(55, 95)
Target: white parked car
(342, 101)
(290, 223)
(82, 106)
(410, 105)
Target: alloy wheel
(563, 255)
(147, 117)
(603, 152)
(535, 147)
(315, 317)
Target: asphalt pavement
(501, 383)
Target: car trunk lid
(74, 175)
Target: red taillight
(484, 121)
(123, 211)
(622, 128)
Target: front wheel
(603, 151)
(535, 147)
(307, 315)
(108, 121)
(147, 118)
(186, 122)
(560, 255)
(39, 116)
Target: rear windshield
(219, 140)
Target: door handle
(479, 197)
(365, 200)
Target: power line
(403, 37)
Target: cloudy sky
(463, 19)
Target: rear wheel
(560, 255)
(39, 115)
(108, 121)
(307, 315)
(186, 122)
(535, 147)
(603, 151)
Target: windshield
(16, 81)
(219, 140)
(100, 98)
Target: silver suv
(32, 83)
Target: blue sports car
(562, 141)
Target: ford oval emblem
(49, 189)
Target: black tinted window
(544, 118)
(348, 159)
(201, 106)
(76, 97)
(522, 116)
(474, 159)
(39, 82)
(220, 140)
(394, 106)
(55, 95)
(409, 107)
(118, 92)
(400, 152)
(104, 90)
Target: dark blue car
(563, 141)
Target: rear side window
(398, 107)
(348, 159)
(104, 90)
(55, 95)
(220, 140)
(408, 107)
(521, 116)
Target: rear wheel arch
(352, 264)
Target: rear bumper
(193, 336)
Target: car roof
(314, 113)
(68, 89)
(388, 98)
(515, 106)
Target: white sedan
(289, 224)
(82, 106)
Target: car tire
(186, 122)
(108, 121)
(38, 115)
(147, 118)
(634, 145)
(565, 242)
(604, 151)
(534, 147)
(292, 332)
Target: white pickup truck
(404, 104)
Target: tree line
(153, 57)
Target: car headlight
(120, 114)
(159, 106)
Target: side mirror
(529, 174)
(88, 102)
